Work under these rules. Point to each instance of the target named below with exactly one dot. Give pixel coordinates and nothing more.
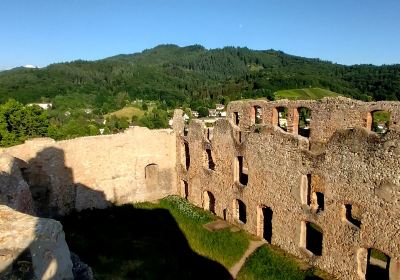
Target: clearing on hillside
(305, 93)
(127, 112)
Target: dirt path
(252, 247)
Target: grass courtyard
(167, 240)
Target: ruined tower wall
(327, 115)
(354, 169)
(95, 171)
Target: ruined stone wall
(95, 171)
(340, 185)
(327, 115)
(349, 188)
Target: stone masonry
(49, 178)
(330, 196)
(342, 180)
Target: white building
(44, 106)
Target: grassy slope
(127, 112)
(222, 246)
(164, 240)
(306, 93)
(167, 240)
(268, 264)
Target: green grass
(268, 264)
(164, 240)
(304, 94)
(381, 117)
(222, 246)
(378, 255)
(127, 112)
(167, 240)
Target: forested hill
(196, 76)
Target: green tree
(19, 122)
(203, 112)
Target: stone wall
(331, 198)
(327, 115)
(274, 184)
(32, 248)
(96, 171)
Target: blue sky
(41, 32)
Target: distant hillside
(194, 76)
(305, 93)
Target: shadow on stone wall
(52, 185)
(39, 250)
(124, 242)
(118, 241)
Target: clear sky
(40, 32)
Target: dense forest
(168, 76)
(194, 76)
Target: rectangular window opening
(350, 216)
(257, 115)
(320, 201)
(185, 189)
(242, 171)
(236, 118)
(377, 265)
(210, 162)
(241, 214)
(187, 156)
(314, 238)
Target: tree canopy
(194, 76)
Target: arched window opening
(151, 176)
(209, 202)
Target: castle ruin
(311, 177)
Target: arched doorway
(209, 201)
(151, 176)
